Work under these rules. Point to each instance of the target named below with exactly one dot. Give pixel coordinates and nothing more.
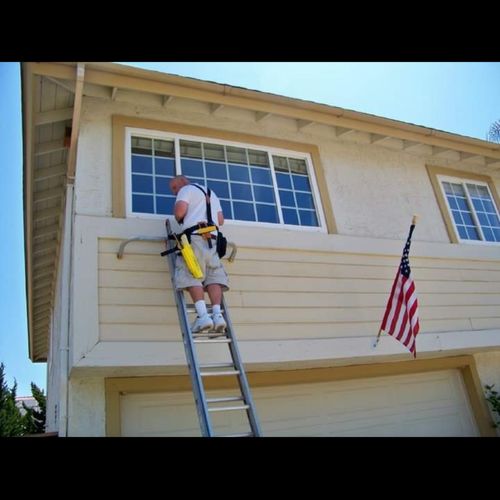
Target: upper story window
(473, 210)
(254, 183)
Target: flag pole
(413, 223)
(378, 338)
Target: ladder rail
(242, 378)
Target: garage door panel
(436, 389)
(424, 404)
(159, 414)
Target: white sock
(201, 308)
(216, 309)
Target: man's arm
(220, 218)
(180, 210)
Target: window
(472, 207)
(254, 184)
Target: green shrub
(493, 398)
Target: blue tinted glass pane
(472, 233)
(226, 209)
(142, 203)
(467, 219)
(478, 205)
(462, 232)
(221, 189)
(290, 216)
(161, 185)
(192, 168)
(488, 206)
(238, 173)
(452, 202)
(264, 194)
(142, 184)
(304, 200)
(284, 180)
(261, 176)
(456, 216)
(165, 205)
(483, 219)
(287, 199)
(493, 219)
(462, 204)
(216, 170)
(243, 211)
(308, 218)
(164, 166)
(488, 234)
(301, 182)
(266, 213)
(496, 232)
(142, 164)
(241, 192)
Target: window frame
(464, 180)
(271, 150)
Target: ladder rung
(244, 434)
(215, 341)
(225, 400)
(191, 308)
(229, 408)
(212, 334)
(216, 374)
(217, 365)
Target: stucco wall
(86, 407)
(373, 190)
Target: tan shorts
(210, 264)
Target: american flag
(401, 314)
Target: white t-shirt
(197, 209)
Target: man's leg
(203, 321)
(215, 293)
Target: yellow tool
(206, 229)
(189, 257)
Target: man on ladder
(196, 209)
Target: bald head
(178, 182)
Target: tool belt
(183, 247)
(204, 228)
(198, 230)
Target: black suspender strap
(209, 209)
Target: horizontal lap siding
(295, 294)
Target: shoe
(219, 323)
(202, 324)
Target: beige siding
(295, 294)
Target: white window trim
(129, 131)
(465, 180)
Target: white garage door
(424, 404)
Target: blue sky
(463, 98)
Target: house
(318, 200)
(28, 401)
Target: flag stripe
(401, 313)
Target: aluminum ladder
(193, 344)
